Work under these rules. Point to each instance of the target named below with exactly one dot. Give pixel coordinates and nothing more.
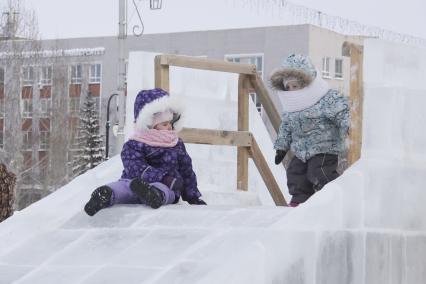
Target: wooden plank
(243, 125)
(265, 99)
(216, 137)
(162, 79)
(356, 97)
(267, 176)
(207, 64)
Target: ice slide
(366, 227)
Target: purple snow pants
(122, 194)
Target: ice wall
(370, 224)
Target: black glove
(197, 202)
(279, 156)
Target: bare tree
(7, 193)
(19, 48)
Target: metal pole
(107, 127)
(122, 37)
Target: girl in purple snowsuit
(157, 168)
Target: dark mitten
(197, 202)
(279, 156)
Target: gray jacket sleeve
(284, 135)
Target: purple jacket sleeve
(135, 164)
(190, 191)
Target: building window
(44, 128)
(44, 140)
(326, 67)
(1, 107)
(1, 133)
(95, 73)
(27, 76)
(43, 160)
(74, 105)
(76, 74)
(257, 60)
(27, 107)
(45, 106)
(338, 69)
(1, 82)
(1, 76)
(27, 139)
(46, 76)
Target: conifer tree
(89, 141)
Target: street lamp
(122, 42)
(107, 127)
(155, 4)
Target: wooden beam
(162, 79)
(356, 98)
(206, 64)
(267, 176)
(216, 137)
(243, 125)
(266, 101)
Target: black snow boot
(151, 195)
(101, 198)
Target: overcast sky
(86, 18)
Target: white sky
(85, 18)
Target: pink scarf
(157, 138)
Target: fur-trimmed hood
(278, 77)
(295, 66)
(149, 102)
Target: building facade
(42, 86)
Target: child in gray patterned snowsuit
(314, 124)
(157, 168)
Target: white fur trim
(302, 99)
(146, 115)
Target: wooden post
(267, 176)
(243, 125)
(356, 97)
(161, 75)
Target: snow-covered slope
(368, 226)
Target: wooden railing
(356, 98)
(242, 138)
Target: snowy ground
(369, 226)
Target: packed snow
(368, 226)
